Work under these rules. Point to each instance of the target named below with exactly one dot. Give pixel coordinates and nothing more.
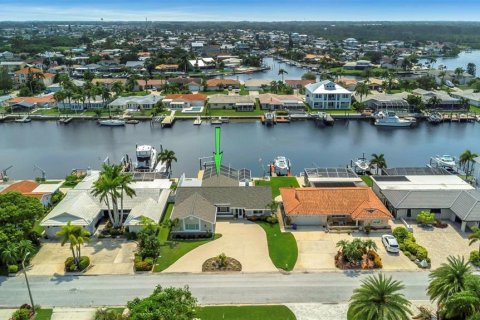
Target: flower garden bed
(357, 254)
(221, 263)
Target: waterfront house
(409, 191)
(446, 102)
(327, 95)
(192, 84)
(198, 208)
(182, 101)
(30, 103)
(135, 103)
(270, 101)
(42, 192)
(470, 94)
(358, 65)
(385, 101)
(222, 84)
(298, 84)
(238, 103)
(441, 76)
(326, 207)
(257, 84)
(81, 208)
(96, 102)
(331, 177)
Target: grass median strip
(270, 312)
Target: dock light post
(26, 280)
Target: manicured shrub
(272, 219)
(84, 263)
(407, 254)
(13, 268)
(400, 233)
(475, 258)
(421, 253)
(69, 263)
(21, 314)
(411, 247)
(143, 266)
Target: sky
(234, 10)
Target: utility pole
(28, 284)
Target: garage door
(308, 220)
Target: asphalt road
(85, 291)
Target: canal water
(58, 149)
(461, 61)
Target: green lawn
(270, 312)
(50, 182)
(171, 251)
(282, 247)
(474, 109)
(44, 314)
(367, 180)
(135, 93)
(278, 182)
(226, 112)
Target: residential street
(257, 288)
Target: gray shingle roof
(467, 206)
(201, 201)
(419, 199)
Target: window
(223, 209)
(436, 211)
(409, 213)
(192, 226)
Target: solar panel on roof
(416, 171)
(330, 173)
(391, 178)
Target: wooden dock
(168, 120)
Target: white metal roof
(322, 87)
(433, 182)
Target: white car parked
(390, 243)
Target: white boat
(133, 121)
(216, 121)
(146, 158)
(198, 121)
(112, 122)
(224, 120)
(281, 166)
(445, 161)
(392, 120)
(23, 119)
(269, 118)
(362, 164)
(435, 118)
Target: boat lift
(44, 173)
(3, 174)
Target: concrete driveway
(317, 249)
(107, 256)
(243, 240)
(441, 243)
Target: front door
(239, 212)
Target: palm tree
(125, 181)
(106, 188)
(378, 298)
(167, 156)
(464, 304)
(448, 279)
(25, 246)
(282, 72)
(378, 160)
(117, 87)
(369, 244)
(131, 83)
(442, 76)
(467, 158)
(458, 72)
(10, 254)
(145, 77)
(76, 236)
(475, 237)
(434, 101)
(362, 89)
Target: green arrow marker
(217, 155)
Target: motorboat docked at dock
(435, 118)
(280, 166)
(445, 161)
(361, 165)
(112, 122)
(146, 158)
(198, 121)
(23, 119)
(390, 119)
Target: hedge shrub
(475, 258)
(408, 245)
(143, 265)
(13, 268)
(82, 265)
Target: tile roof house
(222, 84)
(185, 100)
(32, 102)
(330, 206)
(298, 84)
(42, 192)
(21, 76)
(237, 102)
(270, 101)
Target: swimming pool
(192, 110)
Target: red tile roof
(299, 82)
(216, 82)
(358, 202)
(33, 100)
(189, 97)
